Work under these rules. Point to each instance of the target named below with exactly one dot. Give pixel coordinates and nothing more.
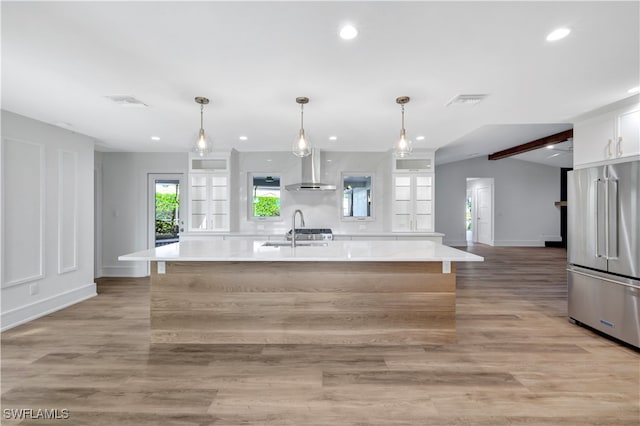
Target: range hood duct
(310, 174)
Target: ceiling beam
(530, 146)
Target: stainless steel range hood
(310, 175)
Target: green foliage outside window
(166, 207)
(266, 206)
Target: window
(357, 197)
(265, 196)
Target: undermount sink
(298, 244)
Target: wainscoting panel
(23, 175)
(67, 211)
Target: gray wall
(47, 219)
(524, 193)
(124, 202)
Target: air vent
(127, 101)
(467, 99)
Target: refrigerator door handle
(600, 218)
(612, 219)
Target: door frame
(151, 202)
(473, 184)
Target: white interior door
(484, 211)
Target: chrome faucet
(293, 226)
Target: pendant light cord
(301, 116)
(201, 116)
(402, 109)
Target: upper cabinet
(209, 193)
(628, 126)
(606, 137)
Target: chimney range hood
(310, 174)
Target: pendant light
(202, 145)
(402, 147)
(301, 146)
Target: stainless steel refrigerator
(603, 206)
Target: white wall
(321, 209)
(124, 211)
(524, 193)
(125, 205)
(47, 219)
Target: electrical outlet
(34, 289)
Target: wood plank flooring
(517, 361)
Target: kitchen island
(332, 292)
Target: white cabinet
(209, 194)
(607, 137)
(628, 140)
(412, 202)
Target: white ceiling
(252, 59)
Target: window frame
(371, 216)
(250, 186)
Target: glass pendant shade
(202, 145)
(301, 146)
(403, 146)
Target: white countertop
(337, 234)
(252, 250)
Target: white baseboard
(46, 306)
(132, 271)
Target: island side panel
(381, 303)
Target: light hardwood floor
(517, 362)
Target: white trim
(151, 204)
(42, 188)
(374, 197)
(97, 217)
(43, 307)
(250, 216)
(63, 236)
(1, 207)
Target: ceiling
(252, 59)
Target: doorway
(479, 218)
(166, 201)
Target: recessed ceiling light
(348, 32)
(419, 138)
(634, 90)
(549, 146)
(243, 138)
(155, 138)
(269, 160)
(558, 34)
(333, 138)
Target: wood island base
(344, 303)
